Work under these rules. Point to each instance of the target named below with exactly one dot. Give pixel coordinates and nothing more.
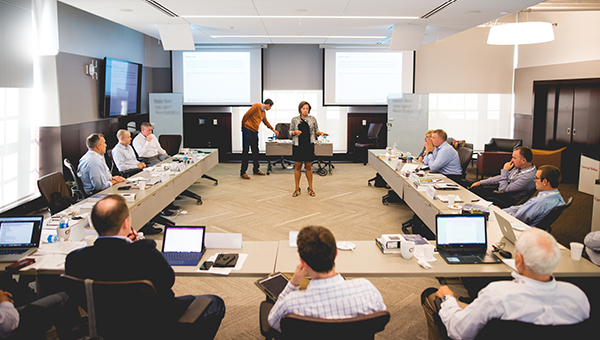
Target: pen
(474, 200)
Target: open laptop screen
(183, 239)
(20, 231)
(466, 230)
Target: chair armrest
(265, 328)
(195, 309)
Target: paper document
(59, 248)
(510, 263)
(47, 262)
(225, 271)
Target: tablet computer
(272, 285)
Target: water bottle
(64, 222)
(394, 150)
(52, 239)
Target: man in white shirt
(124, 156)
(534, 296)
(147, 146)
(328, 295)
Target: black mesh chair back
(78, 192)
(361, 327)
(171, 143)
(553, 215)
(465, 154)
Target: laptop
(506, 228)
(462, 239)
(19, 236)
(183, 245)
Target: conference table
(284, 147)
(148, 203)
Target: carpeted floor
(263, 209)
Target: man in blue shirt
(441, 156)
(124, 156)
(92, 169)
(533, 211)
(513, 183)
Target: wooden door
(586, 112)
(550, 115)
(564, 115)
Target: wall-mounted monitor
(365, 76)
(121, 89)
(219, 76)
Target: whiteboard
(166, 113)
(407, 121)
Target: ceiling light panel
(212, 26)
(294, 26)
(210, 7)
(312, 7)
(391, 7)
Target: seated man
(535, 209)
(117, 255)
(124, 156)
(30, 321)
(534, 296)
(92, 169)
(147, 146)
(328, 294)
(514, 182)
(441, 156)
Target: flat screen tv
(122, 88)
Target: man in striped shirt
(328, 295)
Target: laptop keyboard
(465, 251)
(12, 251)
(181, 256)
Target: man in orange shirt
(250, 124)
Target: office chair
(553, 215)
(305, 327)
(465, 155)
(78, 191)
(54, 189)
(371, 141)
(127, 309)
(114, 170)
(170, 143)
(497, 329)
(284, 133)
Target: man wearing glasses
(534, 210)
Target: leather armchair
(547, 157)
(502, 144)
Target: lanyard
(514, 174)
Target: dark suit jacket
(114, 259)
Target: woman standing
(305, 131)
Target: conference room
(475, 92)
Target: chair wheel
(199, 202)
(384, 201)
(216, 183)
(369, 183)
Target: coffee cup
(63, 233)
(142, 184)
(451, 200)
(428, 252)
(407, 249)
(576, 250)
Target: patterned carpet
(263, 209)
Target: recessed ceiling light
(504, 13)
(126, 10)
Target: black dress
(305, 151)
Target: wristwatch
(446, 297)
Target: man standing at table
(250, 123)
(92, 169)
(328, 294)
(536, 208)
(534, 296)
(147, 146)
(441, 156)
(117, 255)
(124, 156)
(514, 182)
